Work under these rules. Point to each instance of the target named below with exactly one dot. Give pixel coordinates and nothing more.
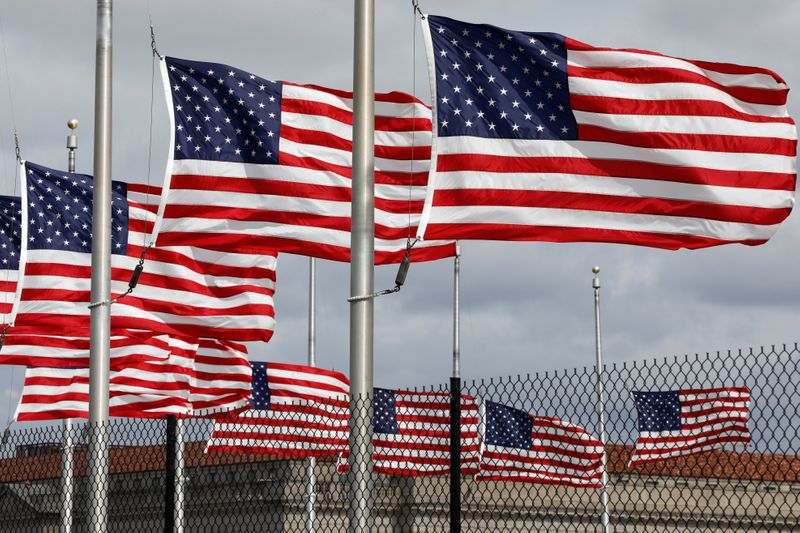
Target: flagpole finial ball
(596, 269)
(72, 124)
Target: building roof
(132, 459)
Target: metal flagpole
(455, 402)
(601, 400)
(67, 441)
(362, 264)
(311, 476)
(101, 276)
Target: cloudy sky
(526, 306)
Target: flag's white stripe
(268, 229)
(382, 108)
(633, 60)
(699, 125)
(603, 150)
(669, 91)
(728, 231)
(287, 204)
(615, 186)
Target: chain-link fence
(240, 473)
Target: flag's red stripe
(610, 204)
(517, 232)
(616, 168)
(329, 140)
(686, 141)
(241, 243)
(647, 75)
(686, 107)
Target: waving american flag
(689, 421)
(184, 291)
(260, 163)
(542, 137)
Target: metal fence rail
(752, 489)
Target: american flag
(191, 378)
(184, 291)
(689, 421)
(260, 163)
(127, 348)
(10, 214)
(541, 137)
(411, 434)
(296, 411)
(221, 379)
(522, 447)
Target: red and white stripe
(308, 416)
(710, 419)
(146, 389)
(183, 291)
(193, 378)
(671, 153)
(562, 454)
(421, 447)
(303, 204)
(127, 348)
(8, 291)
(221, 379)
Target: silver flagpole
(601, 401)
(311, 476)
(101, 277)
(67, 441)
(455, 402)
(362, 264)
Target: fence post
(169, 474)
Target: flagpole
(100, 324)
(362, 265)
(455, 402)
(601, 401)
(311, 476)
(68, 442)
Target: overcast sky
(526, 306)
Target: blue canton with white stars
(384, 411)
(260, 384)
(10, 216)
(497, 83)
(60, 211)
(223, 113)
(509, 427)
(658, 411)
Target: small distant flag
(522, 447)
(411, 434)
(296, 411)
(689, 421)
(539, 137)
